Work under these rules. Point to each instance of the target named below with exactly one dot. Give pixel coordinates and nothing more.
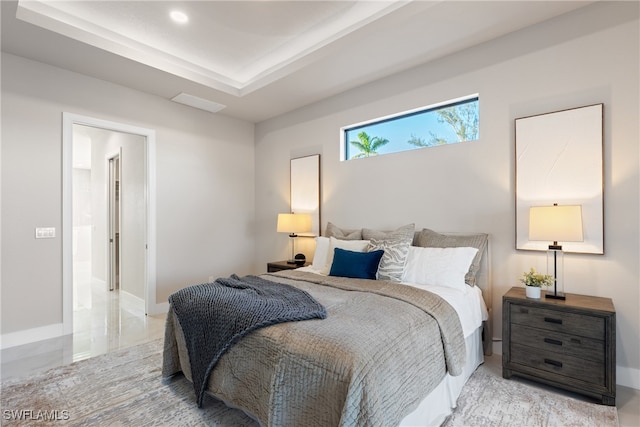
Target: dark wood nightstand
(569, 344)
(272, 267)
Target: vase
(533, 292)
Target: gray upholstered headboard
(485, 283)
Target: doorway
(110, 226)
(109, 216)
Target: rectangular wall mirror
(305, 190)
(559, 160)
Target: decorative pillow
(350, 245)
(395, 255)
(343, 233)
(396, 246)
(438, 266)
(405, 232)
(430, 238)
(320, 255)
(357, 265)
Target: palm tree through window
(446, 123)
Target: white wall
(587, 57)
(205, 188)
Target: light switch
(45, 232)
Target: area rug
(124, 388)
(490, 400)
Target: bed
(394, 349)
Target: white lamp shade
(294, 223)
(556, 223)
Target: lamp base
(555, 268)
(292, 238)
(558, 295)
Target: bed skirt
(439, 404)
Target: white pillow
(320, 255)
(349, 245)
(438, 266)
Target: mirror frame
(559, 159)
(305, 190)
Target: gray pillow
(405, 232)
(395, 256)
(431, 239)
(343, 233)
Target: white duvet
(468, 303)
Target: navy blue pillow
(357, 265)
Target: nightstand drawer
(572, 345)
(561, 364)
(555, 320)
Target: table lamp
(293, 223)
(556, 224)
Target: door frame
(68, 120)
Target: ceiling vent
(199, 103)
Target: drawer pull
(553, 362)
(552, 341)
(552, 320)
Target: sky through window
(447, 123)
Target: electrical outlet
(45, 232)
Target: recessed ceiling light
(179, 17)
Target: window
(446, 123)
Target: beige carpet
(124, 389)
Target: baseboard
(28, 336)
(497, 346)
(628, 377)
(137, 303)
(161, 308)
(131, 301)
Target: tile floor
(103, 321)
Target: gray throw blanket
(214, 316)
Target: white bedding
(442, 400)
(468, 303)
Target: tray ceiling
(256, 59)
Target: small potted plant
(534, 281)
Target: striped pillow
(395, 255)
(396, 245)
